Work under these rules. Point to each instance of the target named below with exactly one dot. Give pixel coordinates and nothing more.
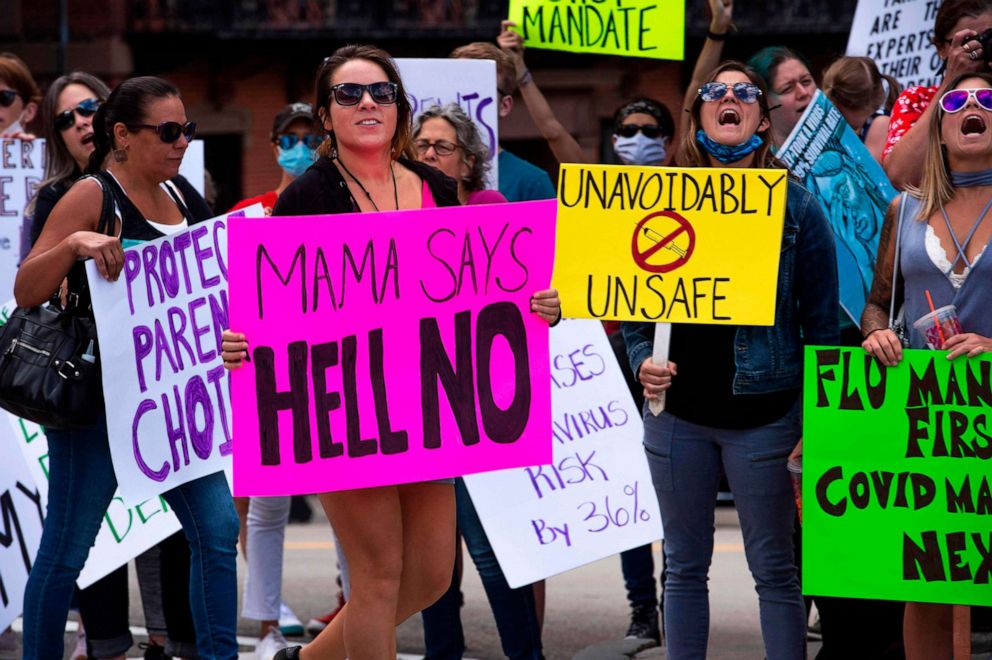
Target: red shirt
(267, 200)
(908, 108)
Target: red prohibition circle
(665, 242)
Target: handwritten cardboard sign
(898, 35)
(22, 515)
(596, 497)
(22, 168)
(632, 28)
(469, 83)
(834, 165)
(897, 492)
(389, 348)
(678, 245)
(167, 392)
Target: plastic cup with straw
(936, 323)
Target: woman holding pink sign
(931, 265)
(399, 540)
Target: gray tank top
(973, 300)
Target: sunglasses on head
(8, 96)
(169, 131)
(745, 92)
(67, 118)
(955, 100)
(441, 147)
(651, 131)
(289, 140)
(383, 93)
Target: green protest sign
(632, 28)
(896, 477)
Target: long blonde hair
(690, 154)
(935, 187)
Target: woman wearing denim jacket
(733, 401)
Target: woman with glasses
(19, 97)
(941, 239)
(140, 134)
(733, 394)
(955, 27)
(399, 541)
(446, 138)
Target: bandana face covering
(726, 154)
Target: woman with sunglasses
(956, 25)
(941, 242)
(19, 97)
(733, 399)
(399, 541)
(140, 134)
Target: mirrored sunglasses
(745, 92)
(383, 93)
(169, 131)
(67, 119)
(290, 140)
(651, 131)
(956, 99)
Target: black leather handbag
(49, 354)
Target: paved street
(585, 607)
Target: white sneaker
(271, 644)
(289, 624)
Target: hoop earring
(120, 155)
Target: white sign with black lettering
(898, 35)
(21, 520)
(596, 498)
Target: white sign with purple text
(596, 498)
(21, 520)
(167, 392)
(469, 83)
(22, 168)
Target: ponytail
(892, 90)
(102, 141)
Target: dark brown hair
(953, 11)
(855, 83)
(692, 155)
(402, 141)
(15, 73)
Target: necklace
(392, 173)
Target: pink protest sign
(389, 348)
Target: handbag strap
(895, 261)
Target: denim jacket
(770, 359)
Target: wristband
(716, 37)
(524, 78)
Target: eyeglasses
(651, 131)
(383, 93)
(955, 100)
(441, 147)
(7, 97)
(169, 131)
(67, 119)
(289, 140)
(745, 92)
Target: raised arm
(565, 148)
(721, 20)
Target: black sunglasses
(384, 93)
(169, 131)
(289, 140)
(651, 131)
(8, 96)
(67, 119)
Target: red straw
(940, 331)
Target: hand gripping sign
(671, 245)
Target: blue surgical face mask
(296, 160)
(640, 150)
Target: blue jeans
(81, 484)
(685, 461)
(514, 609)
(637, 565)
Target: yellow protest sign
(633, 28)
(679, 245)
